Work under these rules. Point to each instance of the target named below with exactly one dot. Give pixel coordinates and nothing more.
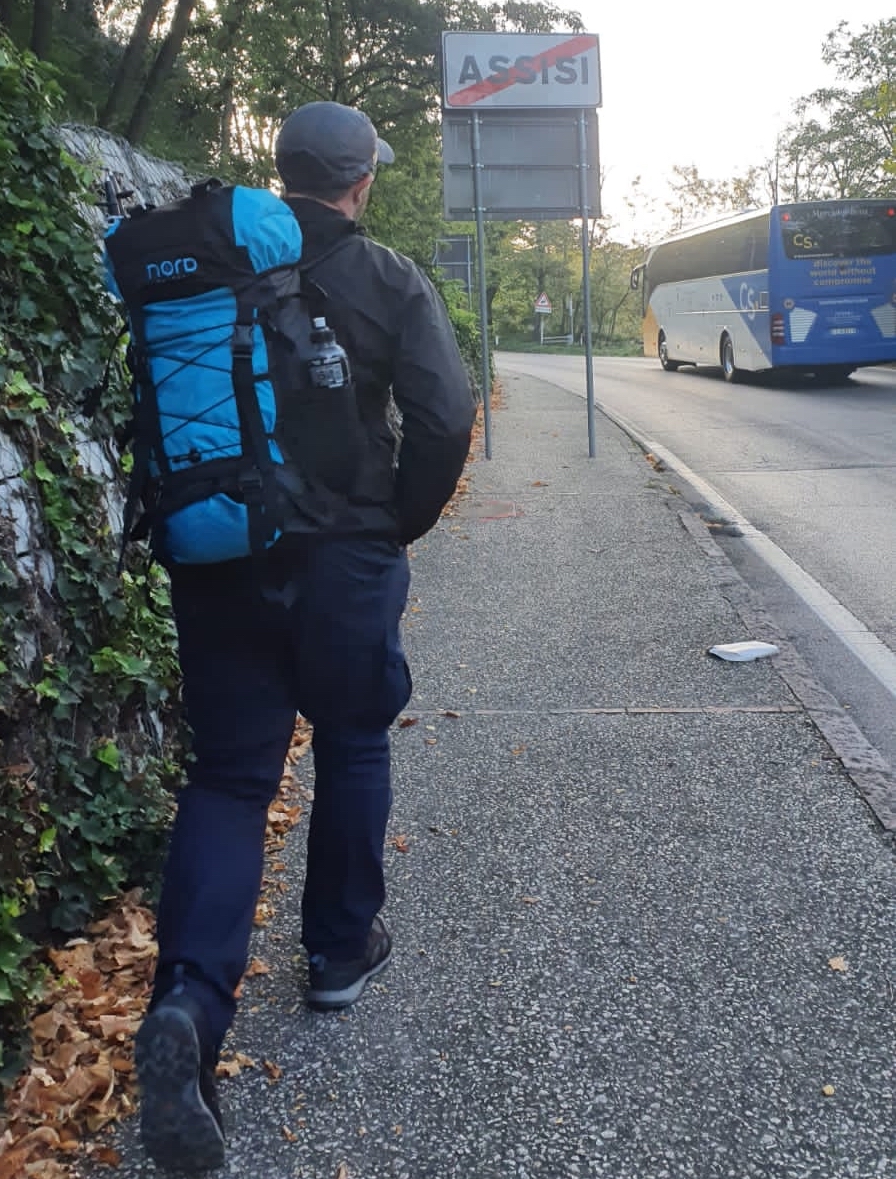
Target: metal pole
(483, 300)
(469, 275)
(586, 278)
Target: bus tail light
(777, 329)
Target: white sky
(709, 84)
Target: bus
(803, 288)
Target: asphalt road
(812, 468)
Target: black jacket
(392, 323)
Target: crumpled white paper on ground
(743, 652)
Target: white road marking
(863, 643)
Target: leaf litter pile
(81, 1075)
(476, 445)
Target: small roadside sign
(543, 304)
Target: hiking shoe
(332, 985)
(180, 1122)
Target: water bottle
(328, 366)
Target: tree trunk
(81, 11)
(231, 22)
(7, 12)
(224, 145)
(160, 70)
(130, 63)
(42, 28)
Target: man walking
(327, 646)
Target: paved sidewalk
(628, 867)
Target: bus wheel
(663, 349)
(726, 353)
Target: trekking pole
(113, 197)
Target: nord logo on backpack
(160, 270)
(239, 432)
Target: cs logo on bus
(748, 300)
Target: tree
(615, 312)
(42, 28)
(698, 199)
(131, 61)
(844, 135)
(160, 70)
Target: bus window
(838, 230)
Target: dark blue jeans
(249, 664)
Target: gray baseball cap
(324, 146)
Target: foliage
(619, 346)
(696, 198)
(466, 329)
(219, 94)
(844, 135)
(523, 260)
(841, 142)
(88, 723)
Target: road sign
(513, 70)
(529, 165)
(543, 304)
(519, 142)
(453, 256)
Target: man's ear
(361, 187)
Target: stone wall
(150, 181)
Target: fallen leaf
(288, 1134)
(400, 843)
(256, 966)
(46, 1169)
(233, 1066)
(529, 900)
(107, 1155)
(838, 964)
(274, 1071)
(115, 1027)
(342, 1172)
(540, 483)
(20, 770)
(407, 721)
(828, 1090)
(450, 712)
(517, 750)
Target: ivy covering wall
(90, 734)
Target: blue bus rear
(832, 284)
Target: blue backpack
(240, 429)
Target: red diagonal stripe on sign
(548, 57)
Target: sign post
(519, 143)
(483, 296)
(542, 308)
(586, 282)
